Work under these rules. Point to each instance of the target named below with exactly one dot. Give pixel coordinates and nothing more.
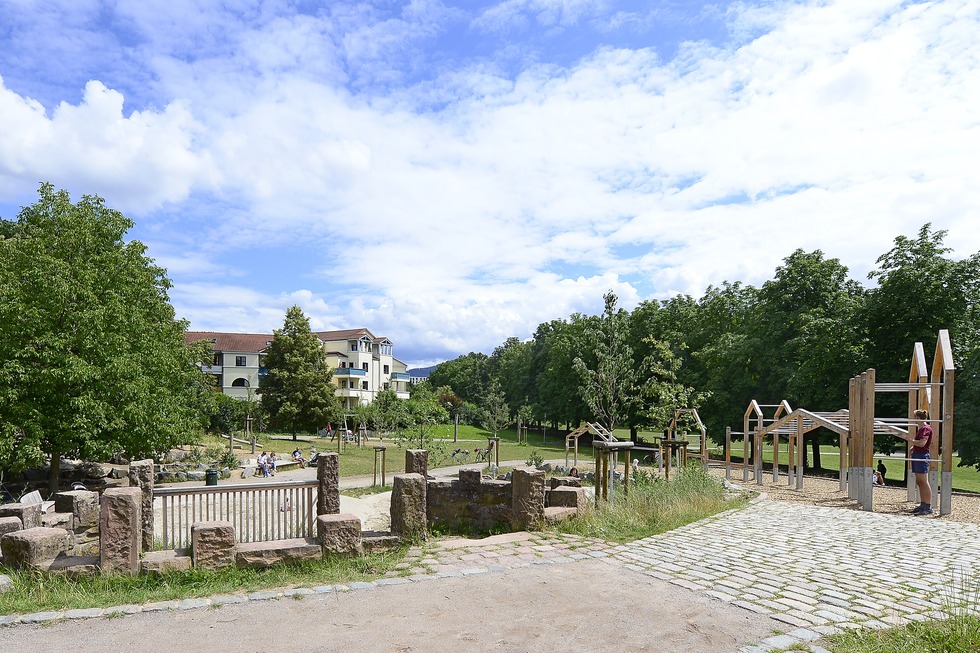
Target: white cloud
(473, 206)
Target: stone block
(56, 520)
(82, 505)
(527, 487)
(119, 529)
(379, 541)
(265, 554)
(328, 491)
(75, 566)
(408, 509)
(417, 462)
(9, 525)
(567, 497)
(33, 548)
(161, 562)
(141, 475)
(339, 534)
(561, 481)
(28, 513)
(556, 514)
(470, 478)
(213, 544)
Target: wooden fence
(259, 511)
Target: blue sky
(451, 174)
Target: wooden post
(728, 453)
(867, 454)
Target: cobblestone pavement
(818, 570)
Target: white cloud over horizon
(450, 177)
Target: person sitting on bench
(298, 457)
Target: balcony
(211, 369)
(400, 376)
(349, 371)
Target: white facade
(363, 364)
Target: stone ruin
(113, 532)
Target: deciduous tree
(92, 359)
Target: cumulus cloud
(453, 207)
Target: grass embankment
(653, 506)
(41, 592)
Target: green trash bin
(211, 477)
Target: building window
(217, 359)
(343, 364)
(386, 386)
(239, 383)
(365, 367)
(240, 361)
(343, 383)
(364, 385)
(353, 346)
(386, 369)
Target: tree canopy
(92, 359)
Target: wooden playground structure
(928, 388)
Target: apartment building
(363, 363)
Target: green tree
(608, 382)
(92, 359)
(495, 414)
(388, 412)
(467, 375)
(424, 411)
(297, 393)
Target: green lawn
(356, 461)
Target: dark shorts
(920, 462)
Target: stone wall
(470, 504)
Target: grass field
(550, 446)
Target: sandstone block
(470, 478)
(265, 554)
(141, 475)
(75, 565)
(560, 481)
(567, 497)
(328, 492)
(82, 505)
(408, 508)
(161, 562)
(28, 513)
(556, 514)
(339, 534)
(213, 544)
(120, 516)
(33, 548)
(9, 525)
(417, 462)
(527, 487)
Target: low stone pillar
(470, 478)
(28, 513)
(527, 498)
(120, 522)
(213, 544)
(141, 475)
(9, 525)
(559, 481)
(82, 505)
(340, 534)
(408, 511)
(33, 548)
(417, 462)
(328, 492)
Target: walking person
(920, 460)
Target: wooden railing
(258, 511)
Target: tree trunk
(634, 433)
(54, 473)
(455, 427)
(816, 452)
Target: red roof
(250, 342)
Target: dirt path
(590, 605)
